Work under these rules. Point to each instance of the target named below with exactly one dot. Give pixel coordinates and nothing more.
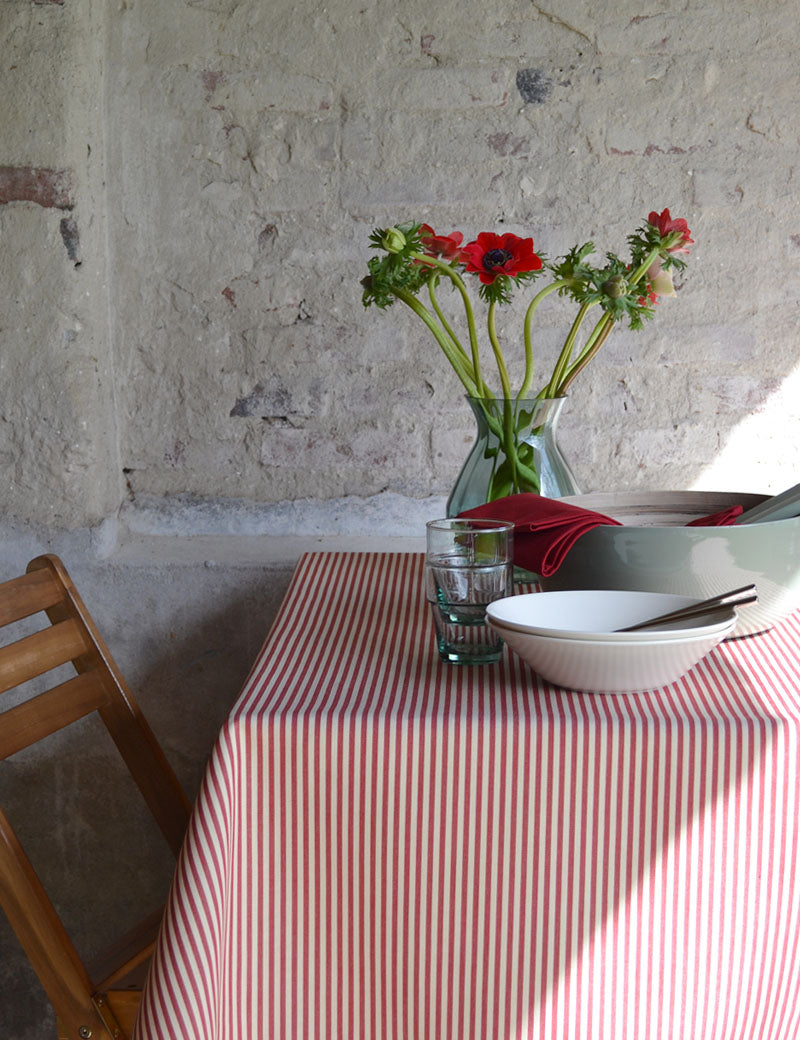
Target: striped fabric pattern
(386, 846)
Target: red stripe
(785, 963)
(513, 845)
(436, 971)
(464, 939)
(498, 876)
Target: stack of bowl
(655, 552)
(572, 638)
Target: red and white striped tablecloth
(386, 846)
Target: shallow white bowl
(607, 662)
(598, 613)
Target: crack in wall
(555, 20)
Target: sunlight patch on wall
(762, 453)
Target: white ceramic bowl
(597, 614)
(653, 551)
(594, 659)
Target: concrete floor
(184, 616)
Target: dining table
(388, 846)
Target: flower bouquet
(414, 258)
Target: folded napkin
(722, 519)
(545, 529)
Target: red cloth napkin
(545, 529)
(723, 519)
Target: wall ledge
(189, 531)
(385, 514)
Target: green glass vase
(515, 450)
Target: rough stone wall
(180, 309)
(270, 139)
(58, 441)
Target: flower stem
(600, 334)
(644, 266)
(454, 354)
(494, 425)
(509, 439)
(445, 323)
(566, 352)
(433, 261)
(528, 378)
(498, 353)
(564, 374)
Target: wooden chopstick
(734, 598)
(780, 507)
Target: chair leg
(116, 1016)
(124, 1005)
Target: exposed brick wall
(48, 188)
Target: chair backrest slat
(33, 720)
(40, 652)
(28, 594)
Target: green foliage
(501, 289)
(574, 271)
(645, 240)
(609, 287)
(395, 272)
(620, 290)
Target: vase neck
(534, 411)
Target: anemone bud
(615, 287)
(394, 240)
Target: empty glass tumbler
(468, 564)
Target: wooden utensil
(736, 597)
(779, 507)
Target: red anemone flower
(665, 225)
(448, 247)
(491, 255)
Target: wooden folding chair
(101, 999)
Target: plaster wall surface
(185, 317)
(258, 146)
(191, 393)
(58, 437)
